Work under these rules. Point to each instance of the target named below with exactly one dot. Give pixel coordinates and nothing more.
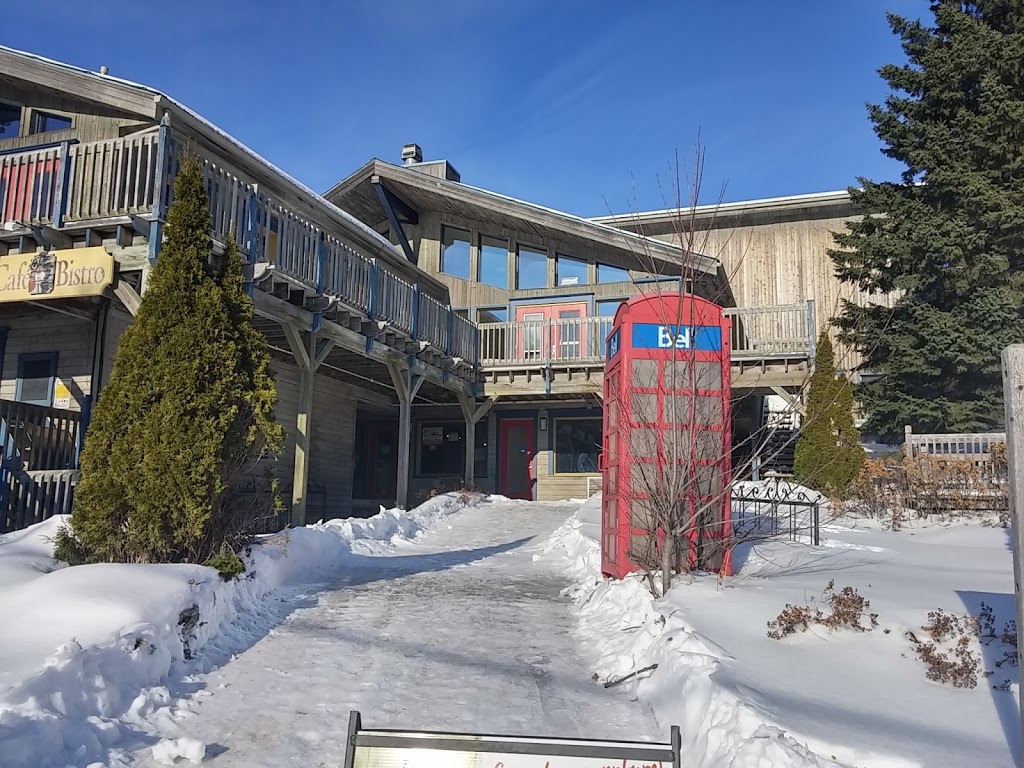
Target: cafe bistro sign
(55, 274)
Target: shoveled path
(460, 630)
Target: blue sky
(580, 105)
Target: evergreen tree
(187, 412)
(948, 238)
(828, 455)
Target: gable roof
(422, 190)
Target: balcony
(771, 347)
(301, 248)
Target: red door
(516, 447)
(552, 332)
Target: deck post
(472, 415)
(1013, 403)
(406, 386)
(309, 354)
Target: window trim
(554, 420)
(469, 252)
(21, 119)
(558, 277)
(597, 274)
(537, 250)
(480, 237)
(34, 115)
(34, 357)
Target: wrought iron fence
(776, 510)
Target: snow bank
(89, 655)
(632, 631)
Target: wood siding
(32, 330)
(332, 440)
(771, 262)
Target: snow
(86, 661)
(814, 699)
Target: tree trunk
(666, 561)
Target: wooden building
(425, 332)
(87, 166)
(543, 287)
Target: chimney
(104, 70)
(411, 153)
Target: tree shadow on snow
(993, 652)
(780, 559)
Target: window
(480, 450)
(493, 265)
(577, 444)
(442, 449)
(531, 268)
(10, 121)
(455, 252)
(43, 122)
(462, 313)
(606, 273)
(608, 308)
(36, 375)
(569, 271)
(491, 315)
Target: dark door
(382, 467)
(517, 446)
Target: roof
(150, 103)
(422, 190)
(838, 198)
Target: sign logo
(698, 338)
(55, 274)
(613, 343)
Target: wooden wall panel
(32, 330)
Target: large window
(570, 271)
(606, 273)
(492, 315)
(531, 268)
(43, 122)
(608, 308)
(577, 444)
(10, 121)
(455, 252)
(37, 373)
(493, 266)
(442, 449)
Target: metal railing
(783, 331)
(133, 175)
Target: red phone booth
(667, 434)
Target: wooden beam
(303, 433)
(46, 235)
(297, 346)
(472, 415)
(791, 400)
(324, 348)
(1013, 408)
(128, 297)
(406, 385)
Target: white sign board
(408, 749)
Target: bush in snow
(188, 412)
(828, 454)
(949, 655)
(848, 611)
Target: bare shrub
(949, 656)
(849, 610)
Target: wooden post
(1013, 403)
(908, 432)
(406, 387)
(308, 357)
(472, 416)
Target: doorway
(517, 445)
(376, 462)
(552, 331)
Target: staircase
(778, 446)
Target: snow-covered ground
(860, 699)
(93, 659)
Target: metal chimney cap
(411, 153)
(104, 70)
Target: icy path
(460, 630)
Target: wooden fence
(975, 447)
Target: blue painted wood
(60, 197)
(321, 264)
(371, 312)
(415, 310)
(448, 332)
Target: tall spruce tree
(187, 412)
(828, 454)
(948, 239)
